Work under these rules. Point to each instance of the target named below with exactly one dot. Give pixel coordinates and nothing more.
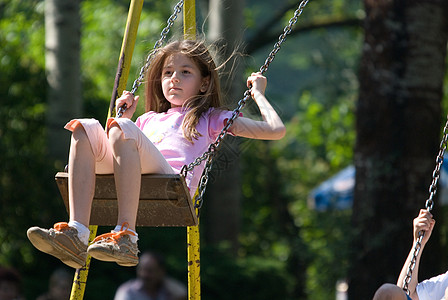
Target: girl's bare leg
(127, 170)
(81, 169)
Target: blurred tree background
(284, 248)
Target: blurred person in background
(59, 286)
(10, 284)
(152, 282)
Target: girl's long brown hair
(200, 55)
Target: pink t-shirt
(164, 130)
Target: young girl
(182, 119)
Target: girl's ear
(205, 84)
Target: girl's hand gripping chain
(257, 83)
(129, 102)
(424, 222)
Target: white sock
(134, 238)
(83, 231)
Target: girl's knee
(79, 132)
(119, 133)
(115, 133)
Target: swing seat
(164, 201)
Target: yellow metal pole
(189, 14)
(80, 280)
(124, 64)
(194, 263)
(127, 49)
(193, 236)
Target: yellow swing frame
(193, 236)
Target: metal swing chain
(428, 205)
(211, 152)
(141, 77)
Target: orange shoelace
(114, 236)
(61, 226)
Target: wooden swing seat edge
(164, 201)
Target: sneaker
(115, 246)
(62, 242)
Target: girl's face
(181, 79)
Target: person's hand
(257, 82)
(424, 222)
(130, 101)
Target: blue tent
(442, 190)
(334, 193)
(337, 191)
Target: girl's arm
(424, 222)
(272, 127)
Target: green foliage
(227, 277)
(22, 148)
(278, 221)
(26, 175)
(319, 102)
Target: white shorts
(151, 160)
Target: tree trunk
(62, 61)
(224, 193)
(398, 126)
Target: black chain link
(428, 205)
